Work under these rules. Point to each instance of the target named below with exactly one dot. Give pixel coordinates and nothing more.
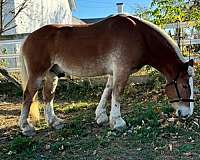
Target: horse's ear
(187, 64)
(191, 62)
(189, 67)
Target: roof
(92, 20)
(76, 20)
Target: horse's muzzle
(184, 117)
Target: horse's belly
(85, 69)
(84, 72)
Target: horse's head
(180, 91)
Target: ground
(152, 132)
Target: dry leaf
(47, 146)
(170, 147)
(188, 154)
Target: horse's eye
(185, 86)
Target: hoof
(57, 123)
(102, 118)
(28, 131)
(117, 123)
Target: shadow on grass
(151, 134)
(9, 112)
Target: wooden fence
(10, 51)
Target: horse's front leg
(50, 84)
(101, 116)
(119, 82)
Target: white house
(37, 13)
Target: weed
(147, 137)
(21, 147)
(185, 148)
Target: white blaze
(191, 74)
(191, 95)
(184, 109)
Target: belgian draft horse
(117, 46)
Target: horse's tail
(34, 109)
(24, 72)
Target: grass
(152, 133)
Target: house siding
(39, 13)
(36, 14)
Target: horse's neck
(162, 53)
(168, 65)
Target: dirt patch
(151, 131)
(9, 114)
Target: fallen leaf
(188, 154)
(139, 149)
(47, 146)
(171, 119)
(170, 147)
(94, 152)
(61, 148)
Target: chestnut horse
(117, 46)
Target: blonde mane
(165, 35)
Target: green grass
(149, 135)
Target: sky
(103, 8)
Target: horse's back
(90, 49)
(50, 33)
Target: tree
(142, 12)
(194, 13)
(5, 12)
(7, 18)
(162, 12)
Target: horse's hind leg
(101, 116)
(119, 81)
(29, 97)
(50, 84)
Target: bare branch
(11, 79)
(5, 2)
(7, 29)
(22, 6)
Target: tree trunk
(9, 78)
(1, 16)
